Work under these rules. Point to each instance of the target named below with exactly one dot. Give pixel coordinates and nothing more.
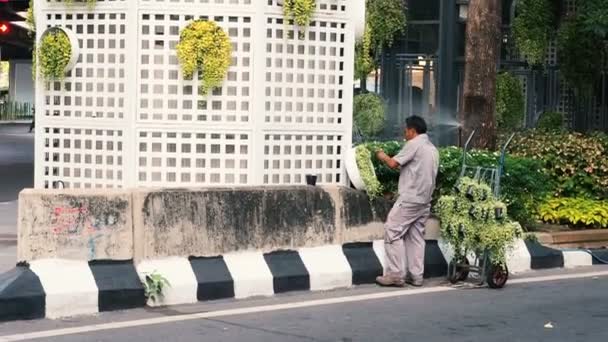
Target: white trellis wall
(125, 117)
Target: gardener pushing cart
(418, 162)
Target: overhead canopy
(16, 43)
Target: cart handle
(501, 164)
(464, 153)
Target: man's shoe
(414, 282)
(390, 281)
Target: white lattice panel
(125, 115)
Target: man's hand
(390, 162)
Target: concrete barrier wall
(147, 224)
(76, 225)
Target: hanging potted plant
(300, 12)
(361, 171)
(57, 53)
(204, 50)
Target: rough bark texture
(481, 59)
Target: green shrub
(389, 178)
(524, 184)
(576, 212)
(532, 28)
(510, 102)
(577, 164)
(550, 121)
(369, 113)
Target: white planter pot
(353, 170)
(75, 48)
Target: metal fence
(12, 111)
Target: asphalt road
(576, 308)
(16, 161)
(16, 173)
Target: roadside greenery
(204, 47)
(154, 286)
(577, 164)
(575, 212)
(369, 113)
(510, 102)
(550, 121)
(533, 27)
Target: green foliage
(366, 170)
(580, 55)
(389, 178)
(364, 60)
(532, 28)
(594, 16)
(300, 11)
(510, 102)
(155, 285)
(386, 20)
(577, 212)
(524, 185)
(550, 121)
(473, 220)
(90, 3)
(54, 54)
(204, 47)
(576, 163)
(30, 19)
(369, 113)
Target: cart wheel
(456, 274)
(497, 276)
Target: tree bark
(482, 53)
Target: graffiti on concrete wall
(80, 222)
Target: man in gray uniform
(418, 162)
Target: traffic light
(5, 28)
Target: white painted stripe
(577, 258)
(250, 273)
(381, 253)
(69, 287)
(178, 272)
(327, 267)
(271, 308)
(519, 259)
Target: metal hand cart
(458, 270)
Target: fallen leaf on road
(549, 326)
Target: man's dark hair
(417, 123)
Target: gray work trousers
(404, 239)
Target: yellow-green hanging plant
(90, 3)
(300, 11)
(54, 54)
(204, 47)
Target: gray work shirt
(419, 160)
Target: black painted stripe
(544, 257)
(434, 261)
(288, 271)
(21, 295)
(363, 262)
(598, 254)
(213, 277)
(118, 284)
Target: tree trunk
(482, 53)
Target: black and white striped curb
(54, 288)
